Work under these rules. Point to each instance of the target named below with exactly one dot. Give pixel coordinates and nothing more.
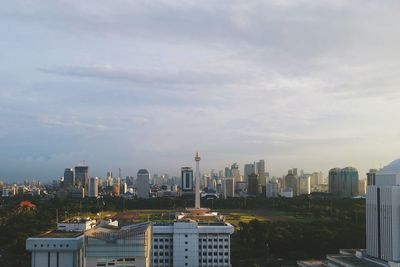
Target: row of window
(215, 253)
(162, 246)
(215, 260)
(54, 245)
(215, 246)
(215, 240)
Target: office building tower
(253, 187)
(143, 183)
(383, 214)
(248, 169)
(272, 189)
(228, 187)
(343, 182)
(69, 177)
(187, 180)
(362, 187)
(93, 187)
(110, 179)
(236, 173)
(291, 182)
(228, 172)
(371, 177)
(81, 176)
(304, 184)
(262, 175)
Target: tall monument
(197, 177)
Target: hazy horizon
(145, 84)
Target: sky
(145, 84)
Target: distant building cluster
(228, 183)
(196, 237)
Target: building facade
(343, 182)
(191, 244)
(143, 183)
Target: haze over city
(144, 84)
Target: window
(186, 235)
(186, 249)
(186, 264)
(186, 242)
(186, 257)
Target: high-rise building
(143, 183)
(248, 169)
(343, 182)
(371, 177)
(383, 214)
(253, 185)
(291, 182)
(110, 180)
(236, 173)
(69, 177)
(272, 189)
(304, 184)
(187, 179)
(262, 175)
(228, 187)
(93, 187)
(228, 172)
(82, 176)
(362, 187)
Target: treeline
(282, 243)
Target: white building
(383, 214)
(143, 183)
(191, 244)
(63, 247)
(228, 187)
(57, 249)
(128, 246)
(93, 187)
(76, 225)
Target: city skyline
(307, 84)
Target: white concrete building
(63, 247)
(57, 250)
(191, 244)
(128, 246)
(76, 225)
(383, 214)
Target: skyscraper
(253, 185)
(69, 177)
(371, 177)
(304, 184)
(187, 180)
(143, 183)
(93, 187)
(383, 214)
(343, 182)
(262, 175)
(248, 169)
(236, 173)
(81, 176)
(291, 182)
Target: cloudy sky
(144, 84)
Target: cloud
(142, 76)
(297, 82)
